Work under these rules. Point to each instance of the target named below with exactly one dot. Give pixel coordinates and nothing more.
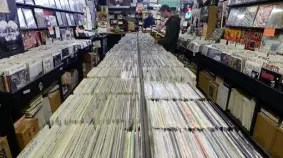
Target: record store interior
(141, 78)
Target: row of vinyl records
(80, 109)
(86, 141)
(166, 90)
(178, 74)
(108, 124)
(188, 128)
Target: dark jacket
(169, 42)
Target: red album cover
(251, 39)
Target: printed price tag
(269, 32)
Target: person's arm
(170, 34)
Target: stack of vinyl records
(108, 140)
(90, 109)
(181, 124)
(171, 74)
(184, 115)
(241, 107)
(19, 70)
(114, 72)
(201, 144)
(107, 86)
(171, 91)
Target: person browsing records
(169, 42)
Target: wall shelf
(21, 5)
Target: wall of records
(239, 67)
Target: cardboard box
(277, 151)
(90, 57)
(26, 129)
(203, 81)
(265, 131)
(4, 148)
(54, 98)
(212, 91)
(87, 67)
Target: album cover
(68, 19)
(35, 69)
(29, 18)
(57, 59)
(232, 34)
(271, 78)
(252, 69)
(59, 18)
(275, 16)
(63, 35)
(29, 2)
(235, 63)
(43, 37)
(251, 38)
(72, 19)
(249, 16)
(263, 15)
(72, 5)
(225, 58)
(58, 4)
(76, 18)
(67, 5)
(29, 39)
(52, 20)
(217, 34)
(40, 18)
(233, 16)
(45, 3)
(39, 2)
(21, 18)
(240, 16)
(17, 77)
(64, 19)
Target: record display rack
(11, 103)
(189, 54)
(48, 8)
(146, 148)
(254, 3)
(251, 28)
(43, 28)
(264, 94)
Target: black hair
(164, 7)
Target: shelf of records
(261, 16)
(20, 70)
(235, 3)
(252, 117)
(75, 6)
(42, 19)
